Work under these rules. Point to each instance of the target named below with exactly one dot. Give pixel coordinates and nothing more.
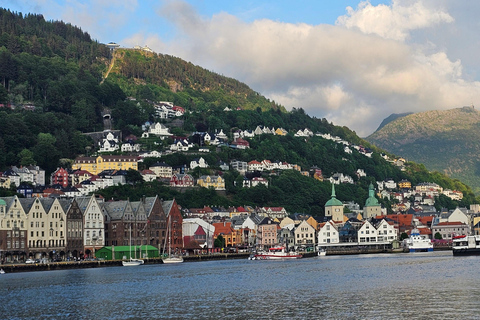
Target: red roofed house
(181, 180)
(241, 143)
(148, 175)
(404, 221)
(273, 212)
(254, 165)
(231, 236)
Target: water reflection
(418, 286)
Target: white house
(328, 233)
(94, 224)
(130, 147)
(367, 233)
(386, 231)
(198, 163)
(109, 143)
(159, 130)
(456, 216)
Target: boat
(277, 253)
(466, 245)
(2, 271)
(133, 261)
(418, 242)
(170, 258)
(322, 252)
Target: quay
(65, 265)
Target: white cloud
(394, 21)
(355, 73)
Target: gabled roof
(115, 209)
(167, 206)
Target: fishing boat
(418, 242)
(170, 258)
(466, 245)
(277, 253)
(132, 261)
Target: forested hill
(31, 34)
(168, 78)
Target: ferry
(418, 243)
(466, 245)
(277, 253)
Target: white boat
(2, 271)
(277, 253)
(132, 261)
(170, 258)
(466, 245)
(322, 252)
(173, 259)
(418, 242)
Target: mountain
(445, 141)
(391, 118)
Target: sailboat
(132, 262)
(170, 258)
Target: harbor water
(376, 286)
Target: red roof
(453, 223)
(222, 228)
(425, 220)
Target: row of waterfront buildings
(58, 228)
(54, 228)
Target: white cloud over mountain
(376, 60)
(367, 66)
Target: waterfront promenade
(65, 265)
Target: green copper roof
(333, 201)
(371, 201)
(2, 202)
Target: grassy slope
(445, 141)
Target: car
(30, 261)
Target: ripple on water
(394, 286)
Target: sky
(351, 62)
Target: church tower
(372, 208)
(334, 207)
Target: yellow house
(5, 182)
(101, 163)
(404, 184)
(281, 132)
(296, 167)
(217, 182)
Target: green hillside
(55, 88)
(160, 77)
(445, 141)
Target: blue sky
(351, 62)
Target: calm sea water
(381, 286)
